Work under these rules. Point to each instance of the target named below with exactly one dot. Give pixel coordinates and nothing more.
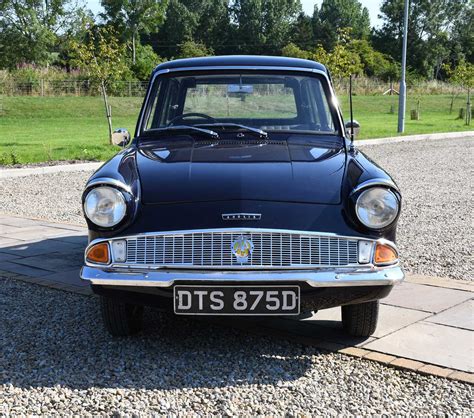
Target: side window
(165, 104)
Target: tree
(179, 27)
(335, 15)
(29, 30)
(263, 26)
(431, 24)
(133, 17)
(292, 50)
(462, 75)
(191, 49)
(146, 61)
(102, 58)
(375, 64)
(302, 32)
(214, 28)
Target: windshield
(266, 101)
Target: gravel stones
(57, 359)
(435, 227)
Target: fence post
(42, 87)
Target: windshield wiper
(255, 131)
(183, 129)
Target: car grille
(214, 250)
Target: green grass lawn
(36, 129)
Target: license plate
(237, 300)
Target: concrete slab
(35, 232)
(431, 343)
(69, 277)
(80, 239)
(59, 261)
(391, 318)
(7, 242)
(425, 298)
(5, 230)
(46, 246)
(25, 270)
(460, 316)
(7, 257)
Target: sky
(308, 6)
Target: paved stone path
(426, 324)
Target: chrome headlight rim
(392, 194)
(119, 211)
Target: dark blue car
(241, 194)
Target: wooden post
(468, 107)
(42, 87)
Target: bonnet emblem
(242, 249)
(241, 216)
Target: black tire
(121, 319)
(360, 320)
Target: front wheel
(121, 319)
(360, 320)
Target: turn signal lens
(384, 254)
(99, 253)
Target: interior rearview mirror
(121, 137)
(355, 125)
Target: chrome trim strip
(375, 182)
(343, 277)
(243, 230)
(332, 102)
(109, 181)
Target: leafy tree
(133, 17)
(431, 24)
(292, 50)
(179, 27)
(263, 26)
(146, 61)
(462, 36)
(375, 64)
(214, 28)
(191, 49)
(102, 57)
(302, 32)
(29, 29)
(462, 75)
(335, 15)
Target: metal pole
(402, 100)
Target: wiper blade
(183, 129)
(257, 132)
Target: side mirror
(121, 137)
(355, 125)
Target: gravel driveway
(56, 359)
(435, 177)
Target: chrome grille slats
(212, 249)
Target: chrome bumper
(335, 277)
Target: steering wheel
(187, 115)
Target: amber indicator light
(384, 254)
(99, 253)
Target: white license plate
(236, 300)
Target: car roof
(240, 61)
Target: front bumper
(334, 277)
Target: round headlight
(105, 206)
(377, 207)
